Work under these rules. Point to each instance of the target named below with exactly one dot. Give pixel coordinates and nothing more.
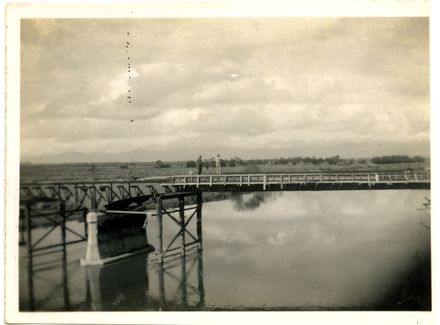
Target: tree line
(236, 161)
(333, 160)
(396, 159)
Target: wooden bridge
(96, 194)
(300, 182)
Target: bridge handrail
(323, 177)
(420, 175)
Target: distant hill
(345, 150)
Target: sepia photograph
(224, 164)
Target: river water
(332, 250)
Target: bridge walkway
(303, 181)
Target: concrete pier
(112, 238)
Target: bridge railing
(297, 178)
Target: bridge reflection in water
(145, 284)
(135, 284)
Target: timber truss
(91, 195)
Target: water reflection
(318, 250)
(133, 285)
(296, 251)
(136, 284)
(252, 201)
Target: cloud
(242, 82)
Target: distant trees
(160, 164)
(191, 164)
(236, 161)
(333, 160)
(207, 163)
(233, 162)
(396, 159)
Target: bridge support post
(63, 224)
(159, 248)
(161, 285)
(30, 257)
(64, 258)
(183, 282)
(199, 220)
(84, 215)
(182, 225)
(200, 283)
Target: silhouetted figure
(199, 164)
(217, 164)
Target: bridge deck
(302, 181)
(96, 194)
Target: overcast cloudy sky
(238, 83)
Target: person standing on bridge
(199, 164)
(217, 164)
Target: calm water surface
(342, 250)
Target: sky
(238, 83)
